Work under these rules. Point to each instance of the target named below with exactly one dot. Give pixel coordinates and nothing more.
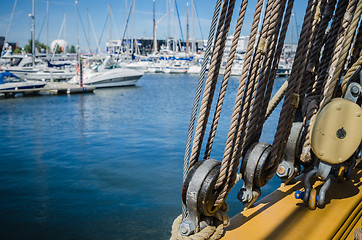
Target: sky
(62, 19)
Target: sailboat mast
(47, 28)
(7, 32)
(154, 48)
(192, 27)
(33, 33)
(187, 29)
(65, 25)
(110, 23)
(133, 35)
(168, 24)
(76, 24)
(88, 28)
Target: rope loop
(221, 220)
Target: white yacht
(176, 67)
(102, 71)
(22, 66)
(9, 81)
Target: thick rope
(235, 116)
(198, 94)
(312, 67)
(296, 95)
(209, 232)
(349, 74)
(311, 73)
(331, 41)
(277, 98)
(350, 33)
(270, 33)
(226, 78)
(211, 80)
(274, 68)
(251, 87)
(334, 72)
(291, 100)
(357, 47)
(310, 48)
(257, 115)
(342, 47)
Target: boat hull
(21, 85)
(116, 82)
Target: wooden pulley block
(337, 131)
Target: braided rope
(277, 98)
(222, 32)
(327, 7)
(226, 78)
(351, 30)
(329, 47)
(312, 67)
(249, 93)
(289, 105)
(309, 47)
(209, 232)
(341, 51)
(258, 116)
(268, 108)
(231, 135)
(310, 73)
(333, 76)
(251, 87)
(349, 73)
(357, 47)
(271, 29)
(198, 94)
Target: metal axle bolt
(354, 91)
(341, 133)
(183, 230)
(281, 170)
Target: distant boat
(9, 81)
(21, 66)
(102, 72)
(176, 67)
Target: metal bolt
(341, 133)
(184, 229)
(321, 153)
(358, 114)
(354, 91)
(338, 107)
(281, 170)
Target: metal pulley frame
(289, 168)
(199, 196)
(252, 170)
(336, 142)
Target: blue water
(106, 165)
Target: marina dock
(50, 88)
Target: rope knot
(220, 219)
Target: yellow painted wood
(357, 225)
(281, 216)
